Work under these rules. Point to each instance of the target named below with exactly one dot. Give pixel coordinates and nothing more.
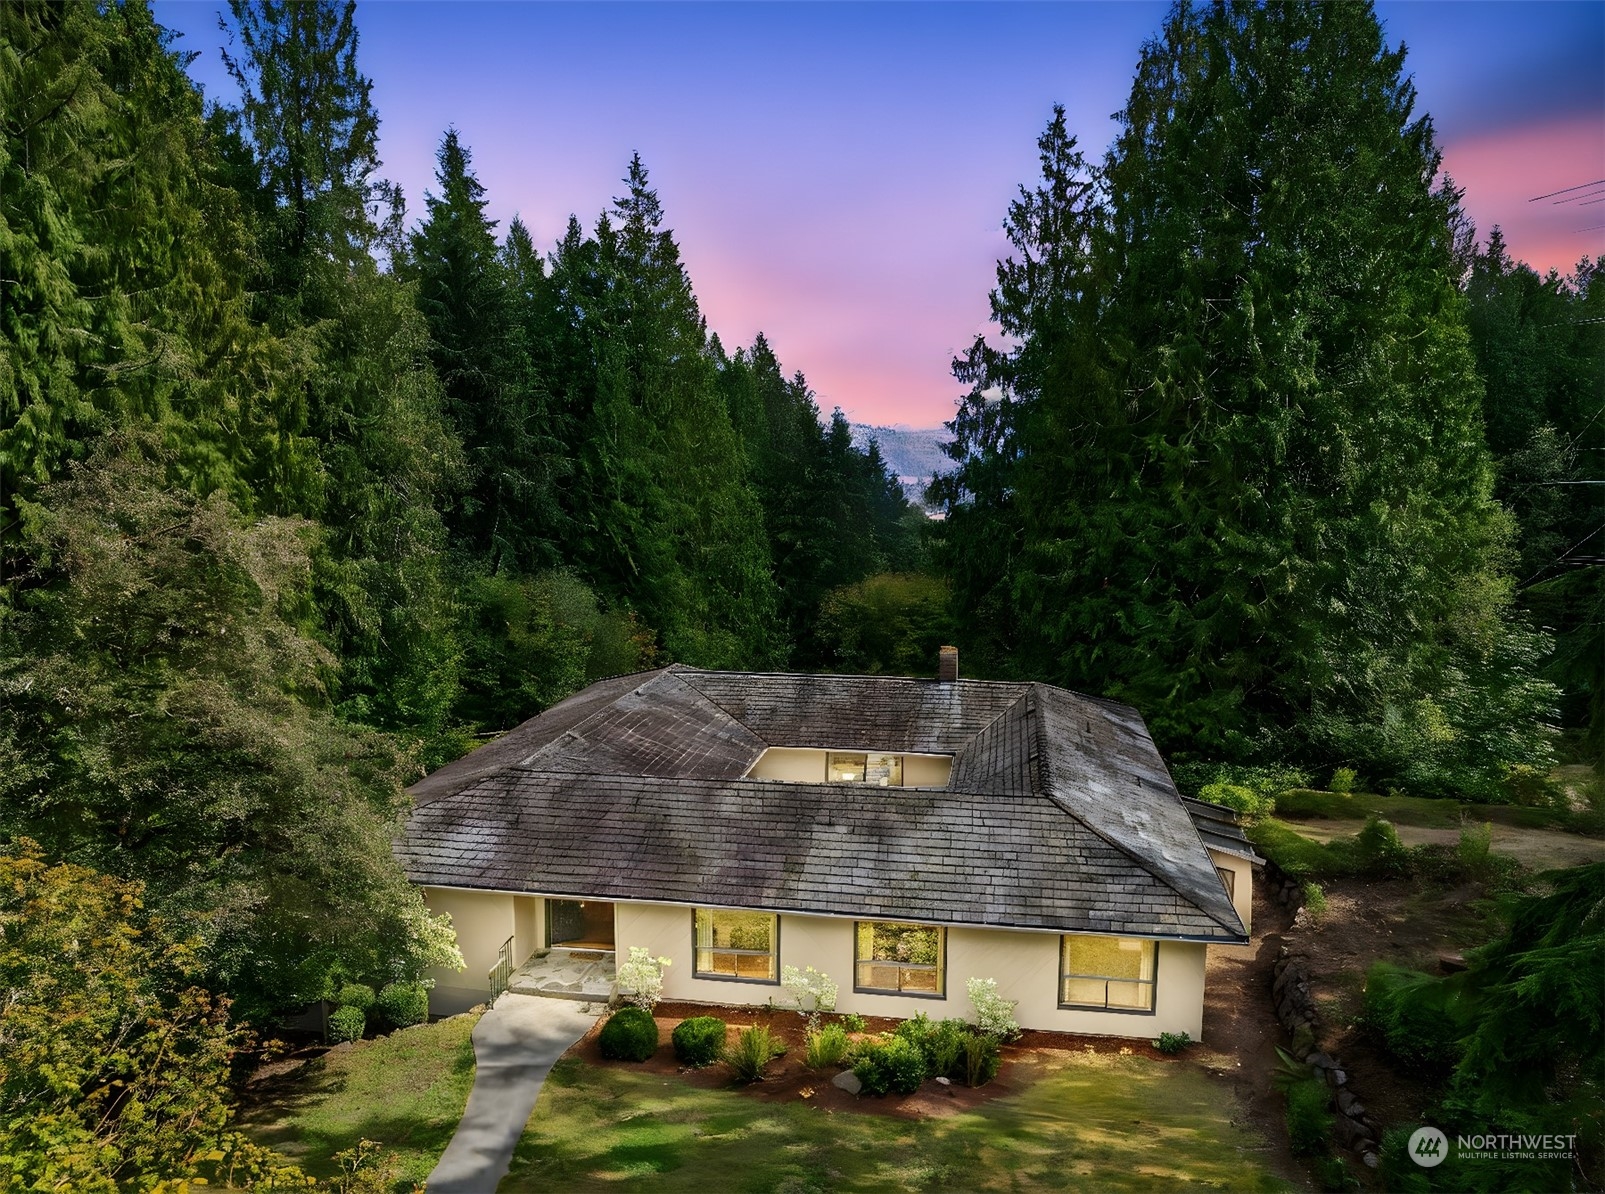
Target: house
(901, 835)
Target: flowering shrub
(994, 1015)
(641, 978)
(812, 989)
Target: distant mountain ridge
(913, 454)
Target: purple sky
(837, 174)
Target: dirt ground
(1366, 921)
(1537, 849)
(1241, 1032)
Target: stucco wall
(483, 920)
(1026, 966)
(1242, 883)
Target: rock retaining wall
(1297, 1013)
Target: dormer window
(845, 767)
(871, 768)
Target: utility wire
(1582, 186)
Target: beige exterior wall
(1026, 966)
(483, 920)
(1242, 872)
(808, 766)
(783, 762)
(927, 771)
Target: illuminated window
(1109, 973)
(900, 959)
(847, 767)
(737, 945)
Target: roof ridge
(705, 695)
(574, 732)
(1138, 858)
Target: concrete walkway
(515, 1044)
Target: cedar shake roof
(1059, 813)
(1220, 829)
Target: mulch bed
(790, 1079)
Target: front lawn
(406, 1091)
(1079, 1121)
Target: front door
(579, 924)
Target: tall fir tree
(495, 396)
(665, 517)
(303, 144)
(1247, 479)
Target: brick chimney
(947, 664)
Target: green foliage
(1269, 781)
(752, 1052)
(896, 1064)
(166, 722)
(126, 270)
(852, 1022)
(666, 518)
(1172, 1042)
(1379, 849)
(1308, 1120)
(496, 397)
(630, 1034)
(1246, 802)
(1172, 486)
(1539, 1007)
(1420, 1019)
(982, 1059)
(115, 1069)
(832, 514)
(826, 1046)
(891, 623)
(530, 641)
(401, 1005)
(1314, 900)
(347, 1023)
(1541, 358)
(1343, 779)
(940, 1043)
(699, 1040)
(357, 995)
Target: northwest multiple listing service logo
(1429, 1147)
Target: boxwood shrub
(630, 1034)
(402, 1005)
(894, 1065)
(347, 1024)
(699, 1040)
(356, 995)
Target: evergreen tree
(303, 144)
(486, 360)
(666, 519)
(306, 114)
(122, 295)
(1541, 356)
(1239, 449)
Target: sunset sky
(836, 175)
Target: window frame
(1228, 880)
(1151, 983)
(939, 968)
(773, 952)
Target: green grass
(1085, 1122)
(1427, 812)
(406, 1090)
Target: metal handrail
(501, 973)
